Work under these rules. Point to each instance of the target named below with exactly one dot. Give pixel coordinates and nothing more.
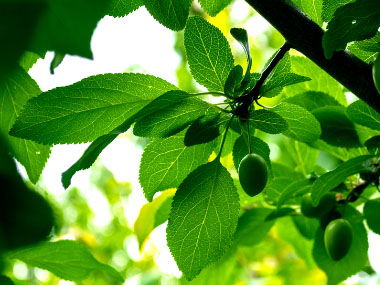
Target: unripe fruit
(325, 205)
(338, 238)
(376, 73)
(253, 174)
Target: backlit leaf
(166, 162)
(208, 53)
(69, 260)
(87, 109)
(360, 113)
(203, 218)
(15, 91)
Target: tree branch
(306, 36)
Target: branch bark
(306, 36)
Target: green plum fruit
(253, 174)
(325, 205)
(338, 238)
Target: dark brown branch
(306, 37)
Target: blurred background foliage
(282, 256)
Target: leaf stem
(224, 136)
(254, 93)
(211, 93)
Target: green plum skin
(376, 73)
(338, 238)
(253, 174)
(325, 205)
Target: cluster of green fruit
(338, 231)
(253, 175)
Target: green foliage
(355, 259)
(312, 8)
(376, 73)
(329, 7)
(166, 162)
(169, 114)
(305, 67)
(87, 109)
(16, 90)
(302, 125)
(332, 179)
(203, 218)
(208, 53)
(337, 129)
(67, 259)
(152, 215)
(93, 151)
(213, 7)
(360, 20)
(362, 114)
(170, 13)
(371, 212)
(253, 227)
(194, 142)
(121, 8)
(366, 50)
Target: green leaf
(337, 129)
(225, 271)
(203, 218)
(268, 121)
(355, 21)
(304, 157)
(306, 226)
(203, 130)
(258, 146)
(4, 280)
(87, 109)
(170, 114)
(293, 190)
(25, 216)
(279, 81)
(15, 91)
(229, 142)
(371, 213)
(373, 145)
(69, 260)
(302, 246)
(93, 151)
(253, 227)
(152, 215)
(360, 113)
(280, 213)
(208, 53)
(166, 162)
(28, 59)
(356, 257)
(332, 179)
(67, 26)
(213, 7)
(20, 19)
(241, 36)
(121, 8)
(320, 80)
(57, 60)
(313, 8)
(233, 80)
(311, 100)
(302, 125)
(274, 190)
(170, 13)
(329, 7)
(366, 50)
